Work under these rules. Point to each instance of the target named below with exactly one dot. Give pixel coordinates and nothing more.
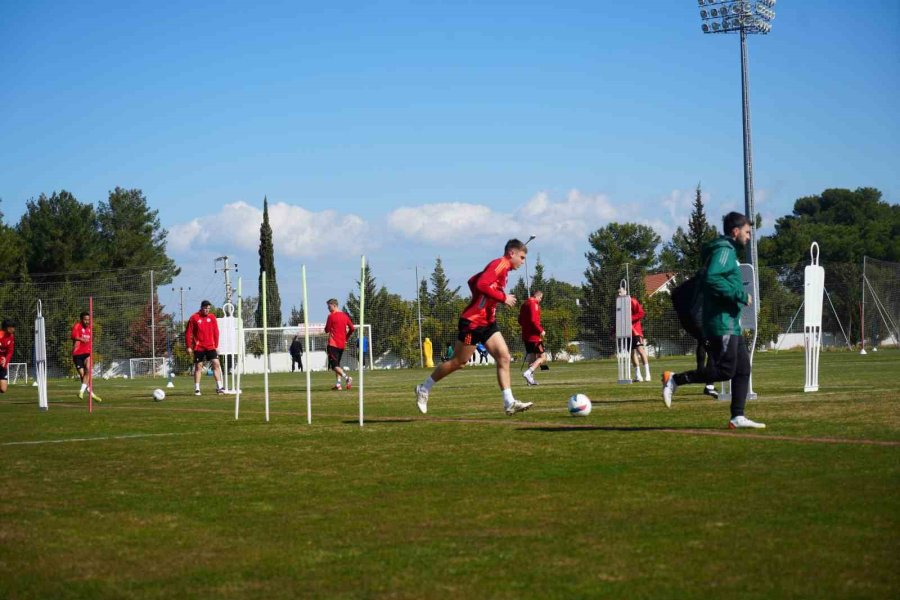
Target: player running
(477, 323)
(338, 326)
(532, 334)
(82, 352)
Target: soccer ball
(158, 395)
(579, 405)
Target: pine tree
(683, 254)
(267, 264)
(296, 316)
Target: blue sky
(411, 130)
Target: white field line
(94, 439)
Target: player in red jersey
(532, 334)
(477, 323)
(338, 326)
(82, 352)
(638, 351)
(202, 338)
(7, 343)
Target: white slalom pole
(40, 358)
(813, 289)
(239, 361)
(362, 331)
(265, 345)
(306, 347)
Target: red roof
(654, 281)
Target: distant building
(659, 282)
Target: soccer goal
(18, 372)
(147, 367)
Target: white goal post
(147, 367)
(16, 372)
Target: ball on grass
(158, 395)
(579, 405)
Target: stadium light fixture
(743, 17)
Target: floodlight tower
(743, 17)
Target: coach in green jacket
(723, 299)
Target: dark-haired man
(723, 299)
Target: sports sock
(647, 372)
(83, 387)
(218, 384)
(428, 384)
(196, 386)
(529, 371)
(507, 396)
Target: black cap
(205, 303)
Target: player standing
(202, 339)
(7, 343)
(638, 350)
(477, 323)
(83, 351)
(338, 326)
(532, 334)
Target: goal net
(280, 339)
(18, 373)
(147, 367)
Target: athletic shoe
(196, 392)
(742, 422)
(668, 387)
(96, 397)
(349, 382)
(637, 375)
(710, 391)
(81, 395)
(422, 398)
(545, 367)
(220, 390)
(515, 406)
(336, 388)
(529, 378)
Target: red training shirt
(79, 331)
(202, 333)
(7, 341)
(338, 326)
(530, 321)
(487, 290)
(637, 313)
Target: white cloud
(296, 232)
(564, 223)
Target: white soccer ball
(159, 395)
(579, 405)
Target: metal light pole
(528, 285)
(743, 17)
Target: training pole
(239, 361)
(306, 347)
(91, 357)
(40, 357)
(265, 345)
(362, 331)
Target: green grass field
(178, 500)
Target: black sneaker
(710, 391)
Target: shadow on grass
(368, 420)
(565, 428)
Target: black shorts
(4, 374)
(80, 360)
(470, 336)
(536, 348)
(334, 356)
(205, 355)
(636, 341)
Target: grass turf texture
(634, 501)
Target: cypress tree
(267, 264)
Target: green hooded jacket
(723, 288)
